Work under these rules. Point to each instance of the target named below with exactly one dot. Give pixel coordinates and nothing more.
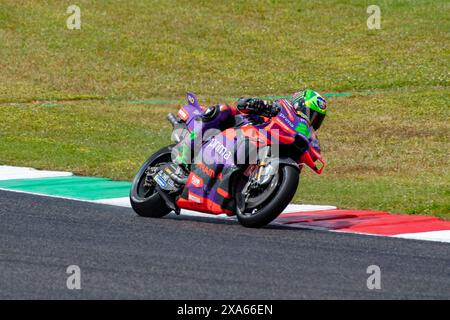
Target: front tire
(145, 201)
(288, 181)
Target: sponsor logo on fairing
(219, 148)
(196, 181)
(194, 198)
(183, 114)
(286, 119)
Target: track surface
(124, 256)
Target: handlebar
(172, 119)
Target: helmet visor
(316, 119)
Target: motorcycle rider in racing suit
(308, 104)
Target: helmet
(311, 106)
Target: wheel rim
(253, 204)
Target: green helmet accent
(311, 105)
(315, 101)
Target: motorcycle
(250, 169)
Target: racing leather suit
(222, 115)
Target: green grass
(65, 94)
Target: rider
(308, 104)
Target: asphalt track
(124, 256)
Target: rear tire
(152, 205)
(287, 186)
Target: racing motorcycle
(250, 168)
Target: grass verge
(79, 99)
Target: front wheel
(260, 209)
(145, 200)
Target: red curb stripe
(311, 216)
(364, 221)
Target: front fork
(267, 167)
(263, 171)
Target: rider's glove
(257, 106)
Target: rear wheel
(260, 207)
(144, 198)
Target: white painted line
(46, 195)
(441, 236)
(125, 202)
(120, 202)
(9, 173)
(307, 207)
(206, 215)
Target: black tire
(281, 197)
(151, 206)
